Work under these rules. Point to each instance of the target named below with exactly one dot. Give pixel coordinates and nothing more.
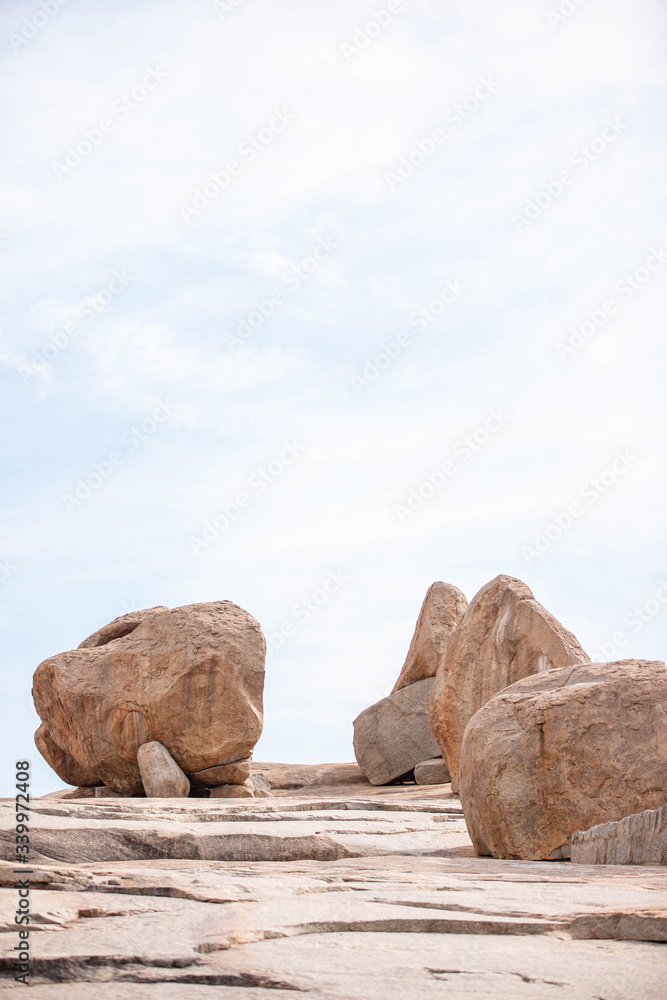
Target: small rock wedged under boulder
(640, 839)
(225, 774)
(432, 772)
(191, 678)
(244, 791)
(441, 611)
(161, 776)
(504, 635)
(393, 735)
(564, 751)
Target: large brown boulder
(503, 636)
(191, 678)
(564, 751)
(441, 611)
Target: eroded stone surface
(225, 774)
(243, 791)
(386, 924)
(292, 776)
(394, 735)
(432, 772)
(504, 635)
(640, 839)
(160, 774)
(563, 751)
(441, 611)
(191, 678)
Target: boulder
(224, 774)
(640, 839)
(441, 611)
(563, 751)
(503, 636)
(393, 735)
(161, 776)
(432, 772)
(191, 678)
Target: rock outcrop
(640, 839)
(503, 636)
(191, 678)
(393, 735)
(161, 776)
(441, 611)
(65, 766)
(563, 751)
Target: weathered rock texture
(161, 776)
(432, 772)
(503, 636)
(564, 751)
(393, 735)
(441, 611)
(244, 791)
(290, 776)
(375, 896)
(640, 839)
(191, 678)
(226, 774)
(62, 763)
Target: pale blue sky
(168, 93)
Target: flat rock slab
(403, 909)
(640, 839)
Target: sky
(306, 306)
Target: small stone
(161, 776)
(224, 774)
(432, 772)
(244, 791)
(102, 792)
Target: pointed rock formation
(504, 635)
(441, 611)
